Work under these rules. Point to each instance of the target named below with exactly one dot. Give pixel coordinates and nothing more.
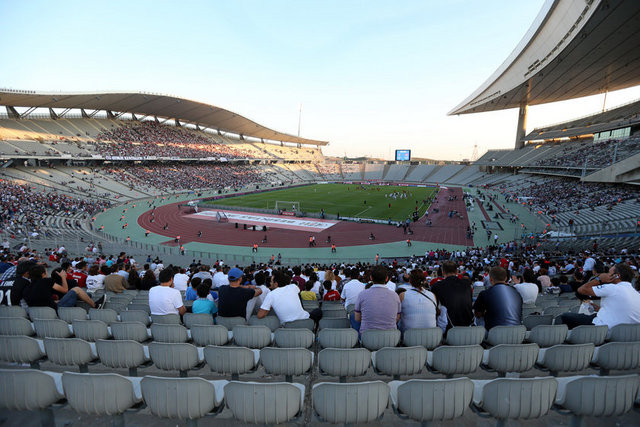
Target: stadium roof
(146, 104)
(574, 48)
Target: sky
(370, 76)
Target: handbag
(442, 316)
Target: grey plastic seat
(303, 323)
(251, 336)
(293, 338)
(271, 322)
(70, 352)
(452, 360)
(203, 336)
(30, 390)
(548, 335)
(547, 302)
(617, 356)
(506, 335)
(174, 356)
(431, 400)
(334, 323)
(396, 361)
(191, 319)
(337, 338)
(135, 316)
(505, 358)
(134, 331)
(585, 334)
(20, 349)
(51, 328)
(530, 311)
(167, 332)
(12, 311)
(230, 322)
(340, 313)
(350, 403)
(428, 338)
(286, 361)
(117, 307)
(231, 360)
(532, 321)
(90, 330)
(465, 335)
(515, 398)
(36, 313)
(106, 315)
(262, 403)
(182, 398)
(122, 354)
(15, 326)
(625, 332)
(597, 396)
(375, 339)
(566, 357)
(120, 299)
(165, 319)
(138, 307)
(310, 305)
(344, 362)
(69, 314)
(555, 311)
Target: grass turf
(348, 200)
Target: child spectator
(330, 294)
(203, 304)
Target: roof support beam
(64, 112)
(110, 115)
(53, 114)
(28, 112)
(133, 117)
(178, 123)
(12, 112)
(522, 125)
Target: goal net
(221, 216)
(287, 206)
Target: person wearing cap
(233, 298)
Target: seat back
(506, 334)
(338, 338)
(27, 390)
(203, 335)
(15, 326)
(601, 396)
(293, 338)
(555, 311)
(619, 355)
(181, 398)
(12, 311)
(400, 360)
(115, 306)
(19, 349)
(173, 356)
(68, 351)
(513, 357)
(625, 332)
(568, 357)
(36, 313)
(584, 334)
(451, 360)
(90, 330)
(465, 335)
(532, 321)
(230, 322)
(519, 398)
(168, 332)
(191, 319)
(135, 316)
(286, 361)
(261, 403)
(251, 336)
(302, 323)
(422, 400)
(51, 328)
(271, 322)
(138, 307)
(121, 354)
(230, 360)
(548, 335)
(344, 362)
(135, 331)
(350, 403)
(428, 338)
(375, 339)
(334, 323)
(69, 314)
(339, 313)
(107, 315)
(165, 319)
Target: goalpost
(287, 206)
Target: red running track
(443, 230)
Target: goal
(287, 206)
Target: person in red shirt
(330, 295)
(79, 274)
(298, 279)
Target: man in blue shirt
(501, 304)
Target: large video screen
(403, 155)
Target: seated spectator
(526, 287)
(115, 282)
(308, 294)
(42, 289)
(148, 280)
(164, 299)
(284, 300)
(203, 304)
(180, 279)
(134, 279)
(501, 304)
(20, 282)
(95, 277)
(377, 307)
(419, 305)
(329, 294)
(192, 291)
(564, 285)
(352, 288)
(233, 298)
(455, 294)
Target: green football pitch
(347, 200)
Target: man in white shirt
(620, 302)
(180, 280)
(284, 300)
(352, 288)
(528, 290)
(588, 265)
(219, 278)
(164, 299)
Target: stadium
(99, 184)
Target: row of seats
(272, 403)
